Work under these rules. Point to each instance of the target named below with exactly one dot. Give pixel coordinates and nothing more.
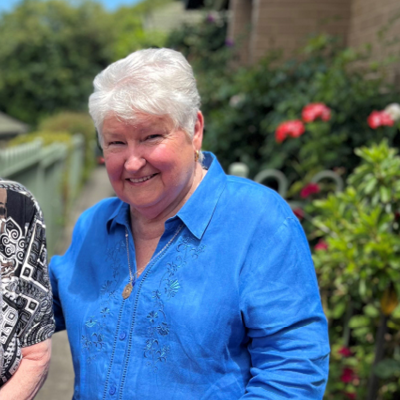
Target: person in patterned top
(26, 317)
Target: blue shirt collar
(196, 213)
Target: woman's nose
(134, 162)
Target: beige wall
(258, 26)
(368, 17)
(240, 27)
(286, 24)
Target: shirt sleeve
(57, 309)
(36, 321)
(282, 312)
(57, 268)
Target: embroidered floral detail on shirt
(163, 329)
(162, 354)
(91, 322)
(97, 340)
(105, 312)
(152, 316)
(86, 343)
(172, 287)
(156, 349)
(93, 340)
(186, 248)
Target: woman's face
(151, 165)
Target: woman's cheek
(113, 166)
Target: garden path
(60, 381)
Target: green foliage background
(361, 266)
(50, 51)
(49, 54)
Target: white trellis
(241, 169)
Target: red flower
(321, 245)
(293, 128)
(351, 396)
(309, 189)
(347, 375)
(344, 351)
(379, 118)
(313, 111)
(298, 212)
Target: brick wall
(258, 26)
(240, 27)
(286, 24)
(368, 18)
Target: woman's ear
(198, 131)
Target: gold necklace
(129, 286)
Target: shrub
(46, 137)
(50, 52)
(244, 107)
(74, 122)
(210, 54)
(359, 276)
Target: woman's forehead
(138, 123)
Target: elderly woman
(191, 284)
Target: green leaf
(371, 311)
(363, 288)
(387, 369)
(385, 193)
(339, 310)
(370, 185)
(359, 321)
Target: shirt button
(122, 336)
(112, 390)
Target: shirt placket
(129, 314)
(120, 343)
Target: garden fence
(51, 173)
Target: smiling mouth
(140, 180)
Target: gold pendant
(127, 291)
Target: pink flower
(351, 396)
(347, 375)
(344, 351)
(309, 189)
(313, 111)
(210, 18)
(379, 118)
(298, 212)
(294, 128)
(321, 245)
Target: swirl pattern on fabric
(26, 316)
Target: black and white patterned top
(26, 316)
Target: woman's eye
(153, 137)
(115, 143)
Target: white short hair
(157, 82)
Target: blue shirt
(228, 308)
